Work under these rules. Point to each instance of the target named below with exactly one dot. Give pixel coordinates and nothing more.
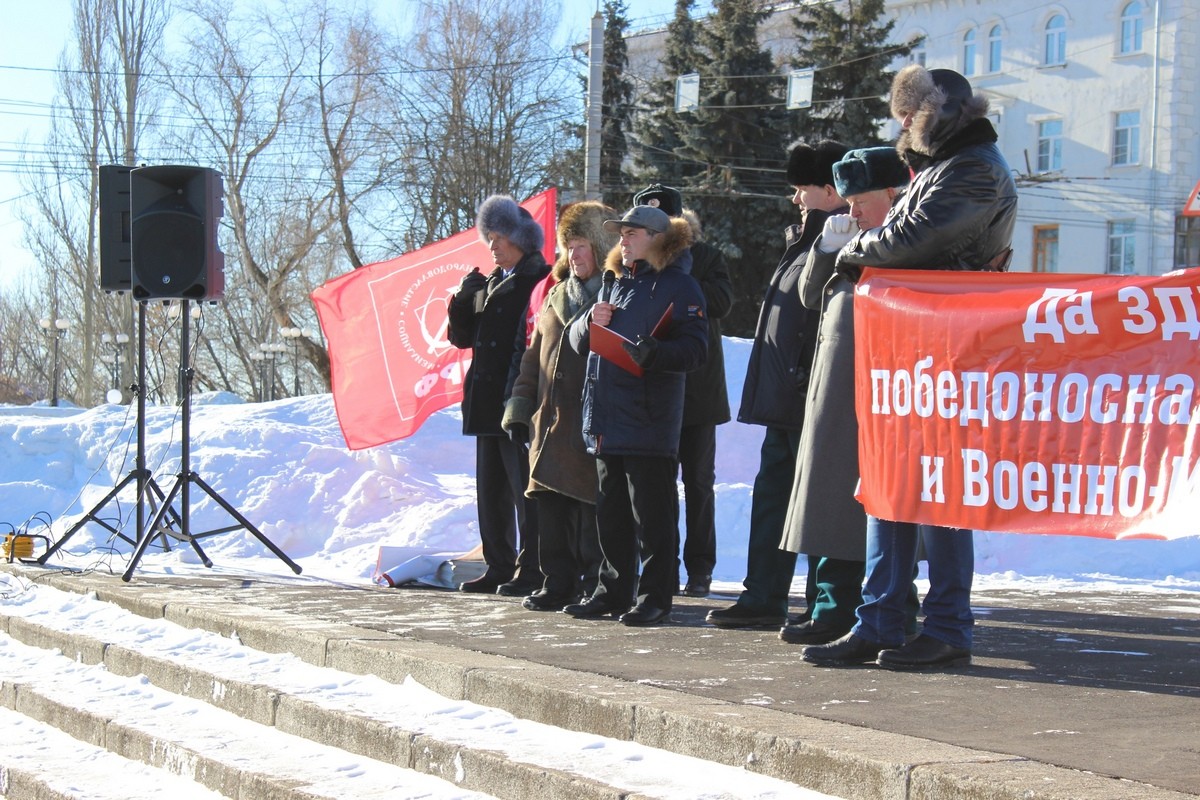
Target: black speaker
(116, 271)
(174, 212)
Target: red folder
(606, 343)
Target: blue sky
(32, 37)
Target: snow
(285, 467)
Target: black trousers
(568, 544)
(697, 465)
(637, 512)
(501, 475)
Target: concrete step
(127, 681)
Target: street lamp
(117, 342)
(55, 329)
(271, 351)
(292, 337)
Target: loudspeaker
(174, 211)
(116, 271)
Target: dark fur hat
(941, 101)
(584, 221)
(869, 170)
(659, 196)
(501, 214)
(812, 165)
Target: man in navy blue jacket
(632, 417)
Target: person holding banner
(650, 324)
(487, 314)
(824, 520)
(957, 214)
(544, 411)
(777, 377)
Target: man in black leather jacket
(958, 213)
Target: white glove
(839, 229)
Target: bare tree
(480, 110)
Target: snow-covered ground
(284, 466)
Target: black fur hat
(659, 196)
(501, 214)
(812, 165)
(869, 170)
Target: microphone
(608, 281)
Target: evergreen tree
(847, 44)
(736, 139)
(618, 105)
(658, 129)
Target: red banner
(391, 363)
(1030, 403)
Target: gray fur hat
(501, 214)
(812, 165)
(868, 170)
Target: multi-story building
(1097, 105)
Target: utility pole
(595, 108)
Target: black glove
(519, 433)
(851, 272)
(643, 352)
(472, 284)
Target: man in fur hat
(544, 410)
(705, 399)
(958, 213)
(632, 417)
(487, 314)
(825, 521)
(773, 395)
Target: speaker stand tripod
(187, 477)
(147, 487)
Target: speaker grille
(169, 253)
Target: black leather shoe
(645, 615)
(811, 632)
(924, 652)
(698, 586)
(518, 587)
(846, 651)
(487, 583)
(739, 616)
(548, 601)
(595, 606)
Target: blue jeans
(891, 557)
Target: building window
(1056, 41)
(1126, 138)
(1045, 248)
(969, 53)
(917, 56)
(1049, 145)
(995, 46)
(1187, 242)
(1131, 28)
(1120, 247)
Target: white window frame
(1132, 28)
(1122, 247)
(1049, 146)
(1054, 52)
(1127, 138)
(970, 53)
(995, 51)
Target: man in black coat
(489, 315)
(773, 395)
(705, 400)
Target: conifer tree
(618, 105)
(847, 44)
(734, 144)
(658, 129)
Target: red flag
(391, 363)
(1030, 403)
